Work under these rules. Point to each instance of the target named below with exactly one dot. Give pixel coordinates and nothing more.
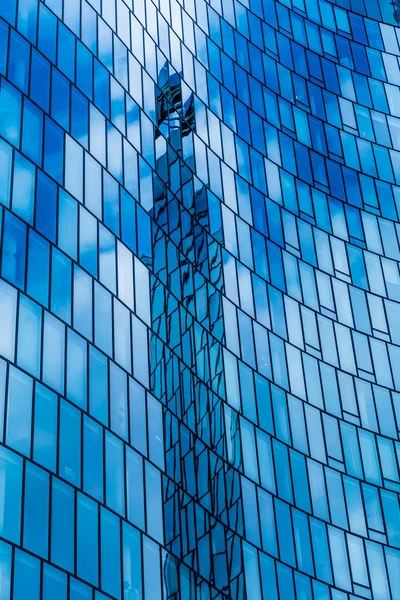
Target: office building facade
(199, 300)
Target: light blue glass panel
(132, 563)
(62, 525)
(138, 418)
(36, 514)
(38, 268)
(19, 411)
(76, 369)
(6, 154)
(156, 433)
(70, 443)
(45, 427)
(14, 247)
(53, 353)
(23, 188)
(8, 307)
(154, 509)
(10, 495)
(98, 385)
(118, 401)
(32, 132)
(29, 338)
(54, 583)
(110, 554)
(87, 539)
(5, 571)
(10, 110)
(152, 572)
(115, 488)
(26, 576)
(103, 319)
(135, 488)
(93, 463)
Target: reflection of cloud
(125, 275)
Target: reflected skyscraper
(199, 300)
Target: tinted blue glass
(19, 411)
(14, 243)
(38, 268)
(62, 529)
(29, 338)
(54, 583)
(26, 576)
(46, 207)
(36, 517)
(32, 132)
(11, 495)
(88, 539)
(23, 189)
(18, 70)
(10, 103)
(53, 150)
(199, 291)
(40, 80)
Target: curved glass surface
(199, 300)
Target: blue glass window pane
(132, 563)
(135, 488)
(79, 117)
(36, 515)
(26, 576)
(70, 443)
(3, 379)
(29, 338)
(152, 575)
(84, 75)
(110, 553)
(54, 583)
(98, 385)
(10, 495)
(32, 133)
(53, 353)
(138, 419)
(62, 525)
(45, 428)
(111, 203)
(38, 268)
(68, 224)
(10, 113)
(19, 411)
(83, 302)
(79, 591)
(54, 150)
(88, 241)
(87, 539)
(93, 458)
(77, 369)
(115, 488)
(66, 52)
(61, 285)
(23, 188)
(47, 33)
(60, 99)
(5, 571)
(40, 80)
(46, 207)
(154, 510)
(6, 154)
(18, 66)
(119, 401)
(8, 309)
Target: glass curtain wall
(199, 300)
